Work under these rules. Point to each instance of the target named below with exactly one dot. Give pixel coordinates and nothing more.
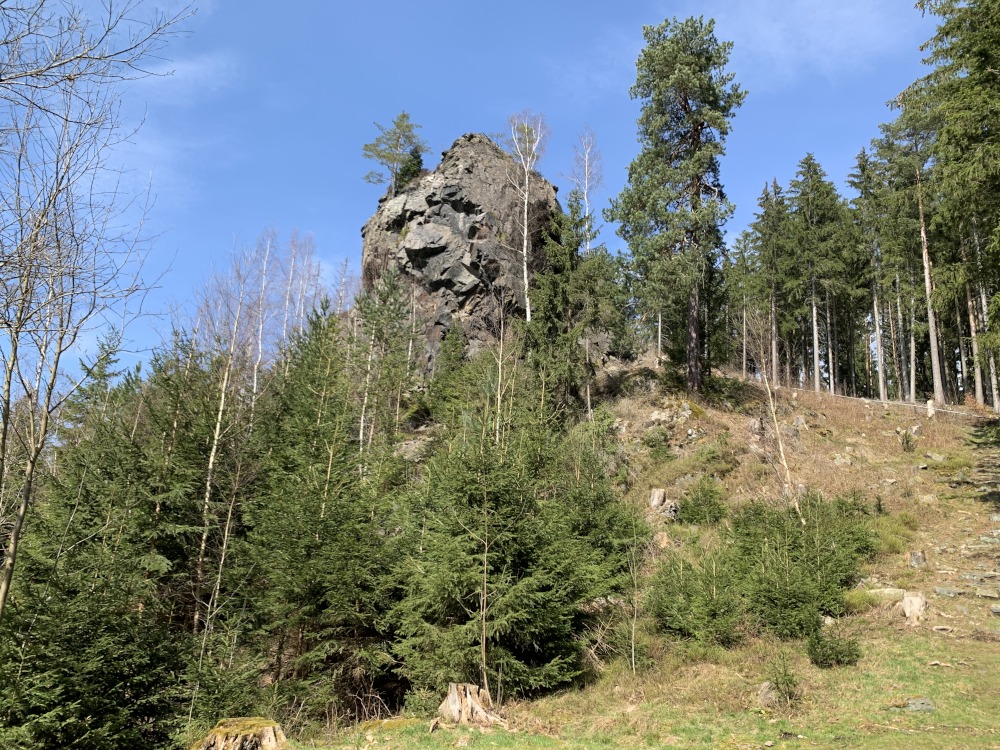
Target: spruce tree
(817, 214)
(315, 553)
(93, 654)
(506, 540)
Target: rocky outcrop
(455, 235)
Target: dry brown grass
(845, 446)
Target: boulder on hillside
(455, 235)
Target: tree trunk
(815, 332)
(775, 364)
(831, 347)
(963, 354)
(883, 391)
(985, 309)
(788, 362)
(659, 337)
(244, 734)
(694, 339)
(365, 393)
(928, 290)
(851, 357)
(913, 351)
(467, 704)
(868, 370)
(977, 368)
(744, 359)
(904, 365)
(13, 541)
(213, 455)
(526, 243)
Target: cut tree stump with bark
(467, 704)
(244, 734)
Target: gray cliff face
(455, 234)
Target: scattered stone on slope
(920, 704)
(888, 595)
(768, 696)
(948, 591)
(657, 497)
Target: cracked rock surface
(455, 235)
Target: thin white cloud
(189, 80)
(161, 160)
(778, 43)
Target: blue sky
(262, 121)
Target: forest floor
(926, 685)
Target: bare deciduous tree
(69, 261)
(587, 176)
(526, 144)
(758, 331)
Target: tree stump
(913, 606)
(657, 497)
(467, 704)
(244, 734)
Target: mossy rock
(246, 733)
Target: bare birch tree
(587, 176)
(69, 262)
(526, 144)
(759, 334)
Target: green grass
(711, 704)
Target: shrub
(698, 600)
(657, 439)
(772, 572)
(422, 702)
(857, 601)
(794, 572)
(703, 503)
(893, 533)
(780, 674)
(907, 442)
(826, 651)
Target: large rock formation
(455, 234)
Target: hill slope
(929, 683)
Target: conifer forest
(314, 503)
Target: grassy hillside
(932, 485)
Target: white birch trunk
(936, 376)
(879, 354)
